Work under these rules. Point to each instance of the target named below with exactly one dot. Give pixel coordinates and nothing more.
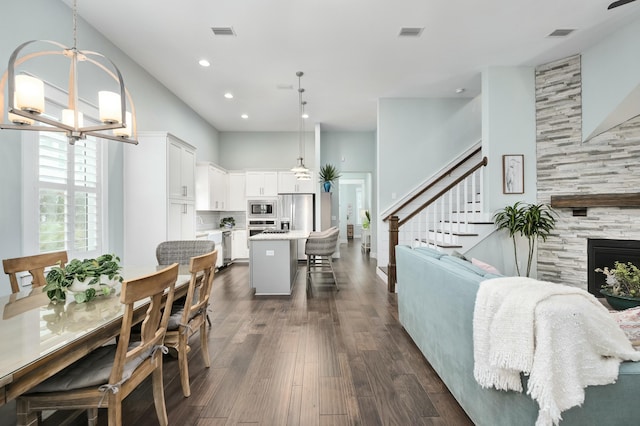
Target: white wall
(264, 150)
(610, 72)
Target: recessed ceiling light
(460, 90)
(411, 31)
(228, 95)
(204, 63)
(244, 116)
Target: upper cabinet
(182, 159)
(237, 191)
(288, 183)
(262, 184)
(211, 188)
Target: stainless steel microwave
(262, 209)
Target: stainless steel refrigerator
(297, 211)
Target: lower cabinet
(181, 223)
(240, 246)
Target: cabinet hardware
(184, 190)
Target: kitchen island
(273, 261)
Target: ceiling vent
(410, 31)
(561, 33)
(223, 31)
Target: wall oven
(262, 209)
(257, 226)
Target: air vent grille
(410, 31)
(561, 33)
(223, 31)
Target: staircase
(446, 214)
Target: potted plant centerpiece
(528, 220)
(328, 174)
(622, 288)
(85, 279)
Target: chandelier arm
(112, 137)
(11, 81)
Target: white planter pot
(80, 286)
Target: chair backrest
(181, 251)
(324, 244)
(202, 269)
(155, 287)
(35, 265)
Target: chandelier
(26, 99)
(300, 170)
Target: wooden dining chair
(35, 265)
(188, 319)
(109, 374)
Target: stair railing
(449, 201)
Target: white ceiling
(349, 50)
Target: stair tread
(457, 233)
(440, 244)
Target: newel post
(393, 242)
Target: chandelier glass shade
(25, 97)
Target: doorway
(354, 199)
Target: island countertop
(290, 235)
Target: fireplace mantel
(579, 203)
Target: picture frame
(513, 174)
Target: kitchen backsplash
(206, 220)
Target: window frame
(58, 98)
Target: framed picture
(513, 174)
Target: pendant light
(26, 100)
(300, 170)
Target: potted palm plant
(531, 221)
(328, 174)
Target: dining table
(40, 337)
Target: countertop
(291, 235)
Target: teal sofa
(436, 297)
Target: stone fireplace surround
(607, 164)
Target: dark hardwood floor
(317, 358)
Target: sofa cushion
(463, 264)
(428, 251)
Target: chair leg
(24, 416)
(184, 366)
(92, 416)
(204, 344)
(333, 272)
(158, 395)
(114, 410)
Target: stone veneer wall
(609, 163)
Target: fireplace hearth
(604, 252)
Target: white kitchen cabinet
(288, 183)
(182, 160)
(211, 188)
(159, 195)
(262, 184)
(237, 192)
(239, 245)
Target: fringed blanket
(560, 336)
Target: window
(64, 191)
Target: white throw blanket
(560, 336)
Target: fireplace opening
(605, 252)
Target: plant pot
(327, 186)
(80, 286)
(620, 303)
